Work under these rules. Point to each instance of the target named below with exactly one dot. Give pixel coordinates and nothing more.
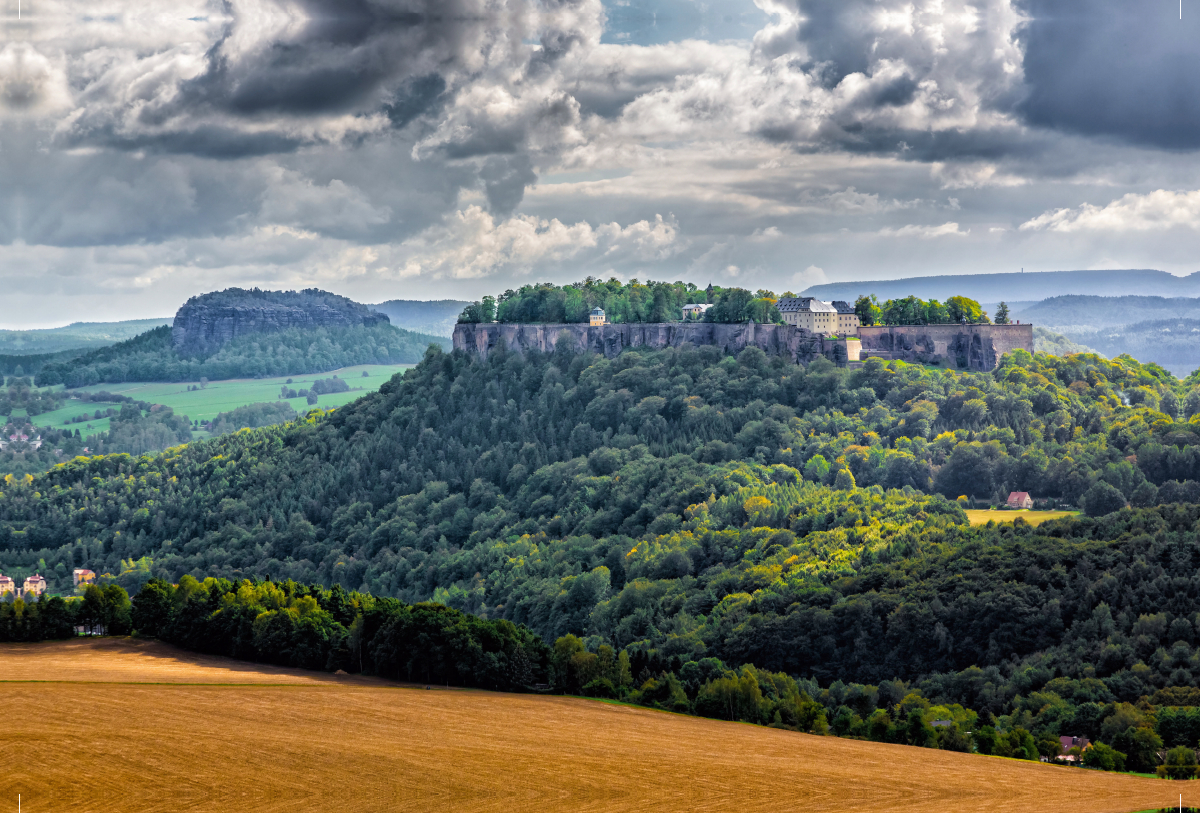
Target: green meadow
(220, 396)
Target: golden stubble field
(133, 726)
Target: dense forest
(151, 356)
(765, 530)
(622, 303)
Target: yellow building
(35, 585)
(815, 316)
(598, 318)
(83, 576)
(7, 585)
(847, 319)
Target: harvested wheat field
(134, 726)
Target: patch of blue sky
(652, 22)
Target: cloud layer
(433, 148)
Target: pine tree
(1001, 314)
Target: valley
(206, 733)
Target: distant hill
(77, 335)
(1173, 344)
(1018, 287)
(248, 334)
(1077, 312)
(436, 317)
(208, 322)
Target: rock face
(965, 347)
(789, 341)
(207, 322)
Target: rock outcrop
(789, 341)
(207, 322)
(964, 347)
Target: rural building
(1020, 499)
(598, 318)
(809, 313)
(695, 311)
(847, 318)
(1068, 743)
(35, 585)
(83, 576)
(7, 585)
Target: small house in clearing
(1069, 743)
(7, 585)
(597, 317)
(1020, 499)
(83, 576)
(695, 311)
(35, 585)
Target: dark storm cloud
(1114, 68)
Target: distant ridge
(1023, 287)
(436, 317)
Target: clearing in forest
(133, 726)
(980, 516)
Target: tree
(312, 398)
(867, 308)
(1102, 499)
(1001, 314)
(844, 480)
(203, 382)
(1105, 757)
(964, 311)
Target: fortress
(964, 347)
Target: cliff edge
(207, 322)
(965, 347)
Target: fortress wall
(971, 347)
(788, 341)
(975, 347)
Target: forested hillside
(696, 512)
(151, 356)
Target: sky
(427, 149)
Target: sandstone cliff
(207, 322)
(970, 347)
(966, 347)
(789, 341)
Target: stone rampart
(965, 347)
(788, 341)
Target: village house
(1069, 743)
(598, 318)
(816, 316)
(695, 311)
(1019, 499)
(83, 576)
(35, 585)
(7, 585)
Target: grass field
(980, 516)
(136, 726)
(221, 396)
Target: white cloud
(813, 275)
(472, 243)
(1155, 211)
(925, 232)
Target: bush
(1104, 757)
(1179, 764)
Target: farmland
(128, 725)
(981, 516)
(221, 396)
